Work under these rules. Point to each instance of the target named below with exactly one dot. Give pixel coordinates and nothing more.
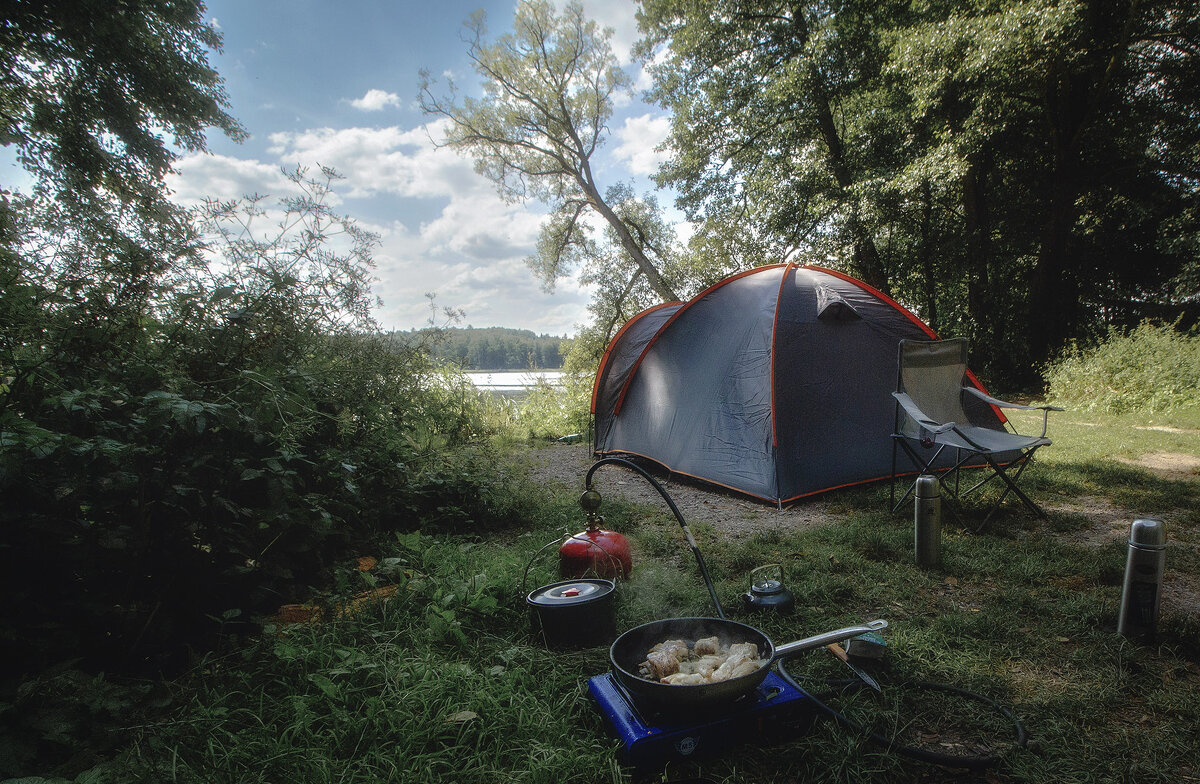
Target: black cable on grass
(932, 757)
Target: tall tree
(549, 90)
(96, 96)
(1070, 130)
(764, 118)
(1025, 172)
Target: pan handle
(821, 640)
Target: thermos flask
(1143, 578)
(927, 521)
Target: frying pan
(629, 650)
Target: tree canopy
(97, 95)
(1022, 173)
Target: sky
(335, 83)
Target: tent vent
(831, 306)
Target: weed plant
(1151, 370)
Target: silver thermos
(927, 521)
(1143, 578)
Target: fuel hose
(912, 752)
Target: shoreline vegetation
(495, 348)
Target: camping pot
(1143, 578)
(767, 591)
(575, 613)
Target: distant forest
(499, 348)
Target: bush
(1151, 369)
(184, 447)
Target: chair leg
(1012, 486)
(892, 499)
(921, 466)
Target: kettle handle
(777, 567)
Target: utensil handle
(837, 635)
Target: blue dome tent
(775, 382)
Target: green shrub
(550, 412)
(1151, 369)
(174, 463)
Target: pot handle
(821, 640)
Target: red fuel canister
(595, 551)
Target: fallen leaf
(1062, 639)
(951, 581)
(462, 717)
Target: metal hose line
(712, 592)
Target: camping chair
(941, 414)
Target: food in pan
(683, 663)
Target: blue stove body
(652, 738)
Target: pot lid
(570, 592)
(766, 587)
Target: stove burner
(653, 736)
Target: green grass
(446, 682)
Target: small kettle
(767, 591)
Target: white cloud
(201, 176)
(497, 291)
(469, 247)
(381, 160)
(639, 139)
(375, 100)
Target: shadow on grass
(1130, 489)
(1124, 486)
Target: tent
(775, 382)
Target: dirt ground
(565, 466)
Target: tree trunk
(1073, 100)
(867, 262)
(976, 246)
(925, 256)
(1053, 293)
(630, 245)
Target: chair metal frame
(966, 439)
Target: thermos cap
(927, 486)
(1148, 534)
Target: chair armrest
(916, 414)
(1003, 404)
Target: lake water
(512, 380)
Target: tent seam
(687, 305)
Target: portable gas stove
(653, 738)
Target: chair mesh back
(932, 374)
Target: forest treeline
(494, 348)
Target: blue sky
(319, 82)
